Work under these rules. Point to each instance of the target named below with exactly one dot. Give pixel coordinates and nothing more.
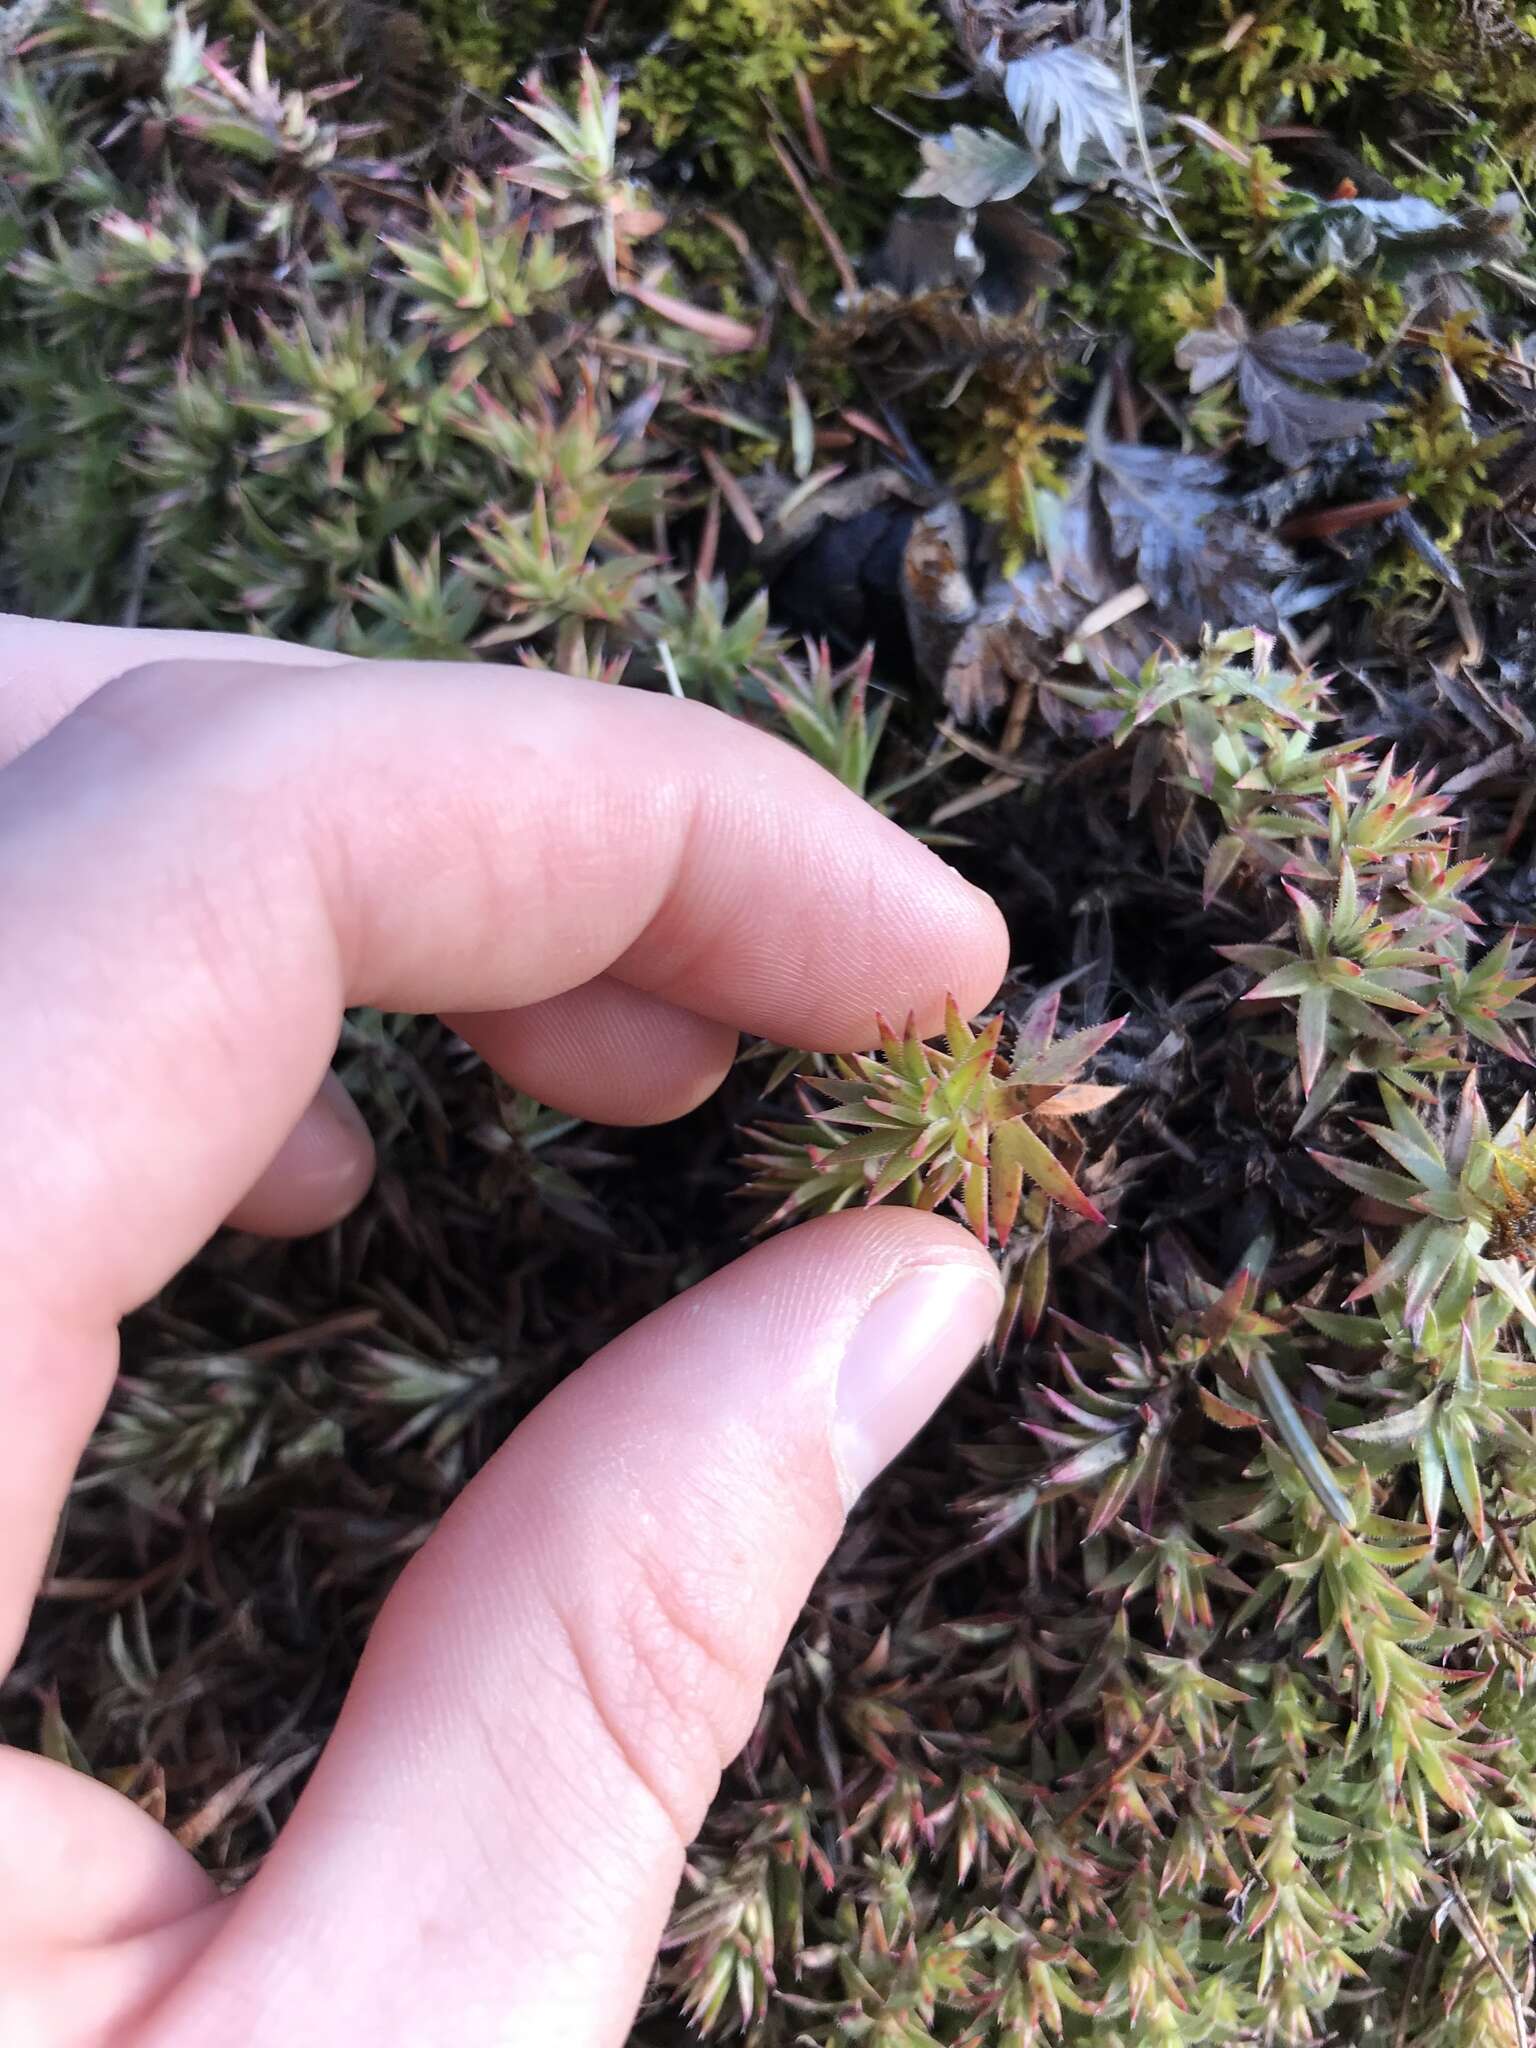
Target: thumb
(490, 1845)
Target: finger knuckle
(672, 1681)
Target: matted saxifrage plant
(986, 1128)
(1178, 1690)
(1251, 1755)
(927, 1123)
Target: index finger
(48, 666)
(200, 873)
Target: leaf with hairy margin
(1404, 239)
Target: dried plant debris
(1107, 442)
(1166, 519)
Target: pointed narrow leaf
(1038, 1025)
(1374, 1181)
(1462, 1468)
(1221, 864)
(1311, 1034)
(1077, 1098)
(1062, 1060)
(1296, 1437)
(1290, 980)
(958, 1035)
(1431, 1478)
(1093, 1461)
(1403, 1426)
(976, 1201)
(1016, 1143)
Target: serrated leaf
(1015, 1144)
(1403, 1426)
(1224, 1410)
(1429, 1269)
(1175, 529)
(973, 167)
(1294, 979)
(1068, 93)
(1220, 865)
(1078, 1098)
(1293, 423)
(1461, 1467)
(1116, 1492)
(1363, 1333)
(1068, 1055)
(1311, 1034)
(1431, 1477)
(1024, 1306)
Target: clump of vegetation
(1274, 1722)
(729, 75)
(1134, 496)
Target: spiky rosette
(963, 1123)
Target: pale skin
(209, 847)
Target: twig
(1143, 147)
(847, 276)
(1000, 762)
(1511, 1556)
(735, 497)
(348, 1322)
(1147, 1744)
(815, 137)
(1342, 518)
(1491, 1955)
(986, 792)
(138, 577)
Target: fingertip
(863, 1251)
(988, 948)
(558, 1677)
(320, 1174)
(915, 1340)
(605, 1052)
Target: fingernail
(915, 1341)
(334, 1103)
(329, 1148)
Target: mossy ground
(337, 369)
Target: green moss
(487, 43)
(729, 71)
(1357, 63)
(422, 47)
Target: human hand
(203, 861)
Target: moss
(730, 70)
(488, 43)
(1359, 63)
(419, 50)
(1020, 452)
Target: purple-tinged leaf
(1093, 1461)
(1037, 1027)
(1062, 1060)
